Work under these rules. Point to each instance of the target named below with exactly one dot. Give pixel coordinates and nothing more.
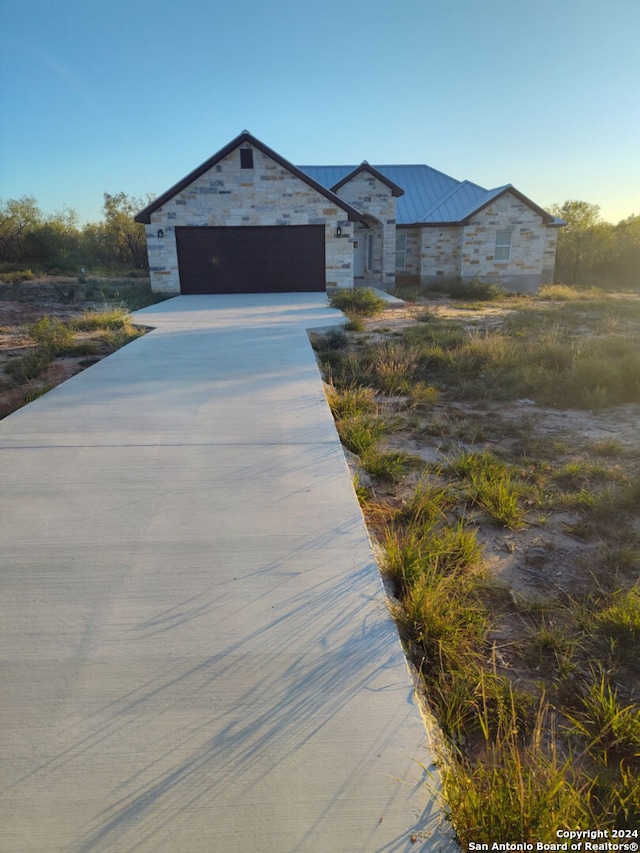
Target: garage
(251, 259)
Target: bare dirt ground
(22, 305)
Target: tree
(627, 254)
(576, 239)
(55, 242)
(18, 217)
(125, 237)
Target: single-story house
(247, 220)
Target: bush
(332, 340)
(27, 367)
(476, 290)
(16, 276)
(360, 301)
(51, 334)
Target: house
(247, 220)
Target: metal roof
(429, 196)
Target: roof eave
(427, 224)
(547, 218)
(144, 216)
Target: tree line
(56, 243)
(591, 252)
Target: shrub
(51, 334)
(16, 276)
(28, 366)
(331, 340)
(475, 290)
(359, 301)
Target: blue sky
(131, 95)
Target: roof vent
(364, 163)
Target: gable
(244, 139)
(367, 171)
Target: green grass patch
(489, 485)
(352, 401)
(388, 467)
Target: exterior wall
(411, 272)
(531, 246)
(440, 249)
(227, 195)
(549, 257)
(370, 196)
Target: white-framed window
(401, 251)
(503, 246)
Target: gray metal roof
(429, 196)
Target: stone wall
(227, 195)
(372, 197)
(440, 253)
(411, 272)
(532, 246)
(549, 256)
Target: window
(246, 158)
(401, 251)
(503, 246)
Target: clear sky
(132, 94)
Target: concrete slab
(196, 649)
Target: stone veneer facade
(445, 252)
(376, 201)
(267, 194)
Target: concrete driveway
(196, 650)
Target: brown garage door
(251, 259)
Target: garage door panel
(251, 259)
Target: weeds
(489, 485)
(388, 467)
(28, 366)
(51, 334)
(106, 318)
(516, 790)
(610, 729)
(54, 337)
(360, 432)
(538, 702)
(351, 401)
